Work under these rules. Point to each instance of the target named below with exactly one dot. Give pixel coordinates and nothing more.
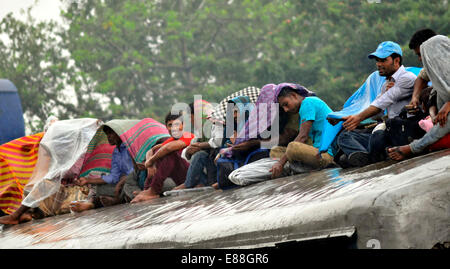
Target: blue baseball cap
(385, 50)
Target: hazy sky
(44, 10)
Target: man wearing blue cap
(395, 93)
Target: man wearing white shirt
(395, 93)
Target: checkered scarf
(219, 111)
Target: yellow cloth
(17, 161)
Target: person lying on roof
(60, 155)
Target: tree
(147, 55)
(140, 57)
(33, 59)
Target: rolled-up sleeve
(402, 89)
(423, 75)
(216, 136)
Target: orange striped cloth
(17, 161)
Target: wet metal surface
(391, 205)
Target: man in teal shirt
(313, 112)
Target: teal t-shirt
(316, 110)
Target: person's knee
(343, 137)
(199, 155)
(277, 152)
(295, 150)
(132, 179)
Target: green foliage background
(140, 57)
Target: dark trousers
(354, 141)
(379, 141)
(172, 166)
(364, 141)
(201, 161)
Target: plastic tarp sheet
(255, 172)
(61, 154)
(359, 101)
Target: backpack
(402, 130)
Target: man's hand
(441, 117)
(119, 186)
(414, 102)
(149, 163)
(197, 144)
(333, 121)
(277, 170)
(81, 181)
(390, 85)
(216, 158)
(191, 150)
(351, 122)
(245, 145)
(151, 171)
(140, 166)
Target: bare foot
(215, 186)
(145, 196)
(37, 213)
(135, 193)
(109, 201)
(180, 187)
(399, 153)
(9, 220)
(77, 206)
(25, 217)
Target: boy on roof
(165, 160)
(107, 186)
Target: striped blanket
(142, 137)
(17, 161)
(219, 112)
(137, 135)
(98, 156)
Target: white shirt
(399, 95)
(216, 135)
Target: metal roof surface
(395, 205)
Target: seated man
(434, 53)
(165, 160)
(110, 185)
(313, 112)
(199, 153)
(422, 79)
(396, 92)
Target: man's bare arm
(419, 85)
(351, 122)
(164, 151)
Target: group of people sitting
(288, 134)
